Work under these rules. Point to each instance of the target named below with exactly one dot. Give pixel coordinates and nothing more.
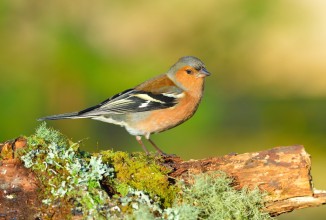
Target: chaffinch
(155, 105)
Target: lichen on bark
(121, 185)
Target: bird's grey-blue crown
(188, 61)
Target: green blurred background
(267, 59)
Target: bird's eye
(188, 71)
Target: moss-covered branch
(63, 181)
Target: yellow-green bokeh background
(267, 59)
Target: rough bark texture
(283, 172)
(18, 185)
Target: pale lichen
(136, 186)
(211, 196)
(67, 175)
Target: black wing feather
(104, 102)
(130, 101)
(163, 102)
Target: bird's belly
(110, 119)
(119, 120)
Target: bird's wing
(133, 100)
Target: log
(18, 185)
(282, 172)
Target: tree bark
(282, 172)
(18, 185)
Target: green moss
(141, 172)
(137, 186)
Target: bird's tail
(72, 115)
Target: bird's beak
(203, 73)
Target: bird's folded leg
(156, 147)
(138, 138)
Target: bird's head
(189, 72)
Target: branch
(282, 172)
(18, 185)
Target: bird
(154, 106)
